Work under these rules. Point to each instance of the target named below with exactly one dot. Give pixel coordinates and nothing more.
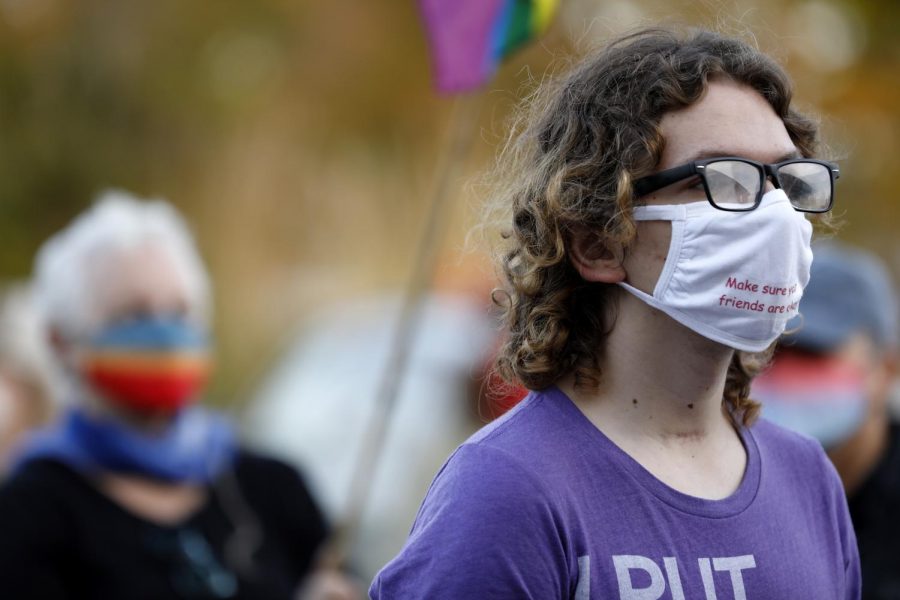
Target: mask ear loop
(676, 215)
(673, 257)
(797, 328)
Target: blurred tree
(299, 137)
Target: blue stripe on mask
(152, 333)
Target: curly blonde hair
(576, 147)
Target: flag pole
(459, 136)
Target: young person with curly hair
(659, 243)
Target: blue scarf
(195, 448)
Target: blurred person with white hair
(137, 492)
(25, 374)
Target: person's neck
(164, 503)
(660, 401)
(659, 378)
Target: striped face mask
(149, 364)
(824, 397)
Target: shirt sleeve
(487, 530)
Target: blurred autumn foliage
(299, 137)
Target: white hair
(23, 350)
(64, 293)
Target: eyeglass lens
(735, 185)
(807, 185)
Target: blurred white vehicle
(315, 406)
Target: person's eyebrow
(789, 156)
(713, 153)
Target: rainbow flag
(469, 38)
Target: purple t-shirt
(541, 505)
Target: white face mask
(733, 277)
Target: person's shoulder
(487, 475)
(260, 473)
(41, 500)
(539, 439)
(792, 455)
(771, 432)
(787, 444)
(486, 463)
(484, 506)
(41, 476)
(772, 437)
(535, 419)
(249, 462)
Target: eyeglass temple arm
(657, 181)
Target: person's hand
(330, 584)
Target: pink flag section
(460, 34)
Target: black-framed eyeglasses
(737, 184)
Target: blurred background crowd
(299, 141)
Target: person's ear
(59, 343)
(57, 339)
(596, 260)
